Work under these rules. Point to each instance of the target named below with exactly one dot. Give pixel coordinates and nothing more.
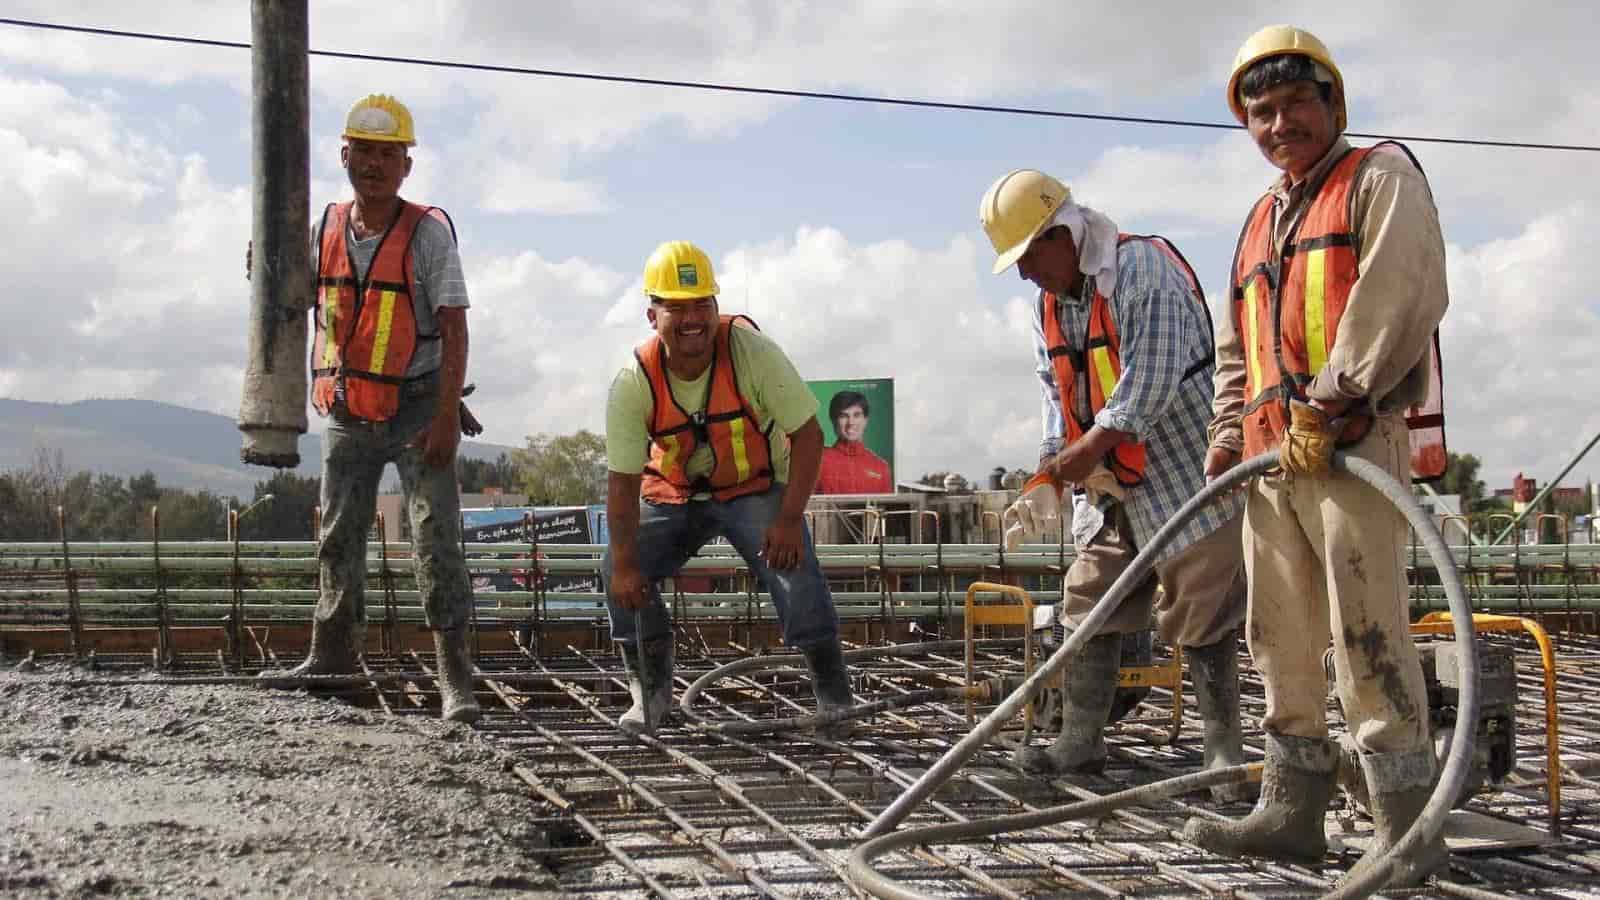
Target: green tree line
(552, 470)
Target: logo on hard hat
(688, 275)
(374, 120)
(1047, 200)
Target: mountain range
(185, 448)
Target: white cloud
(150, 229)
(1133, 183)
(966, 394)
(1519, 348)
(1460, 74)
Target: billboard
(551, 524)
(857, 418)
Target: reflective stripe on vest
(1104, 362)
(1287, 307)
(741, 451)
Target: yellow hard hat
(380, 117)
(1016, 209)
(1276, 40)
(679, 270)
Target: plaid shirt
(1164, 333)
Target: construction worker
(1122, 342)
(1337, 290)
(714, 430)
(388, 362)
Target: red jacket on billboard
(848, 467)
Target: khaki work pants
(1202, 593)
(1326, 557)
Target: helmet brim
(1009, 258)
(379, 138)
(680, 296)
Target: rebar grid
(702, 814)
(693, 813)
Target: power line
(776, 92)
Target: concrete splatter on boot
(1091, 684)
(1399, 785)
(650, 683)
(455, 676)
(1286, 824)
(830, 683)
(1214, 669)
(334, 651)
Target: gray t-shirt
(435, 270)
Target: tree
(36, 492)
(287, 516)
(565, 470)
(477, 474)
(1461, 477)
(10, 508)
(201, 516)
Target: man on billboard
(1123, 350)
(710, 432)
(848, 465)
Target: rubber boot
(458, 702)
(1399, 785)
(830, 683)
(650, 683)
(1091, 684)
(1214, 669)
(333, 652)
(1287, 823)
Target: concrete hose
(1423, 831)
(858, 711)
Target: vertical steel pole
(272, 412)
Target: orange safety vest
(741, 451)
(366, 331)
(1102, 362)
(1286, 309)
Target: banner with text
(551, 525)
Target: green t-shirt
(767, 379)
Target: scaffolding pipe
(272, 410)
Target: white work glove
(1088, 518)
(1036, 511)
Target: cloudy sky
(849, 231)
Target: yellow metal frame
(1168, 676)
(1443, 623)
(997, 614)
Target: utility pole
(272, 412)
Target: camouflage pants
(354, 454)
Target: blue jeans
(670, 534)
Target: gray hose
(1428, 824)
(857, 711)
(880, 885)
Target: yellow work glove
(1037, 510)
(1309, 444)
